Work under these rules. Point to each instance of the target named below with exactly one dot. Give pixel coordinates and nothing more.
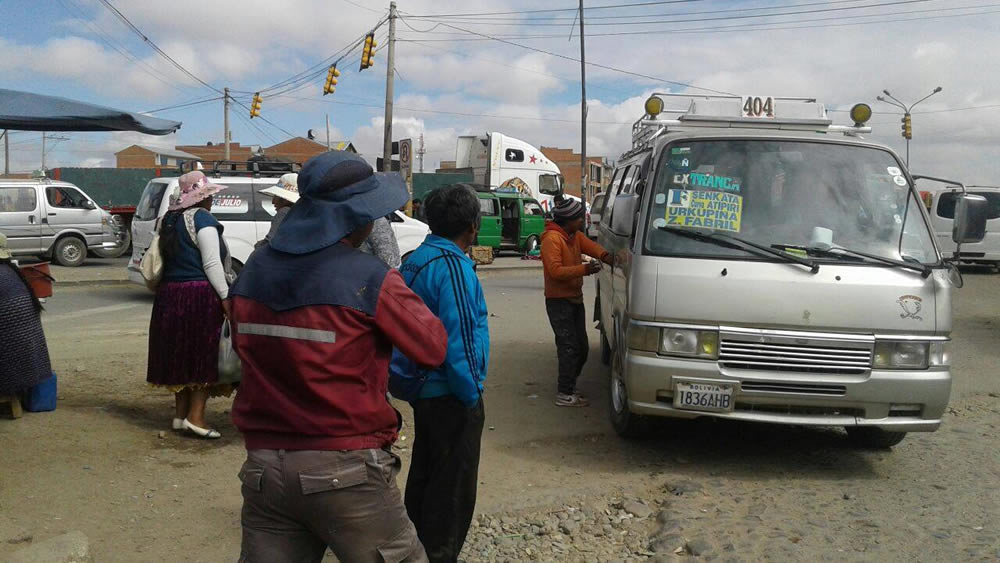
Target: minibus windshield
(787, 195)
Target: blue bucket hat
(339, 193)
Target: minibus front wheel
(626, 423)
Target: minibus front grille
(798, 388)
(847, 358)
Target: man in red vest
(315, 323)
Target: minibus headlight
(905, 354)
(687, 342)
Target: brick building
(142, 156)
(568, 162)
(297, 149)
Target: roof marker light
(861, 113)
(654, 106)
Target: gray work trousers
(298, 503)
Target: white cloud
(255, 42)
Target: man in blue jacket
(448, 411)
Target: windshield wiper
(840, 252)
(729, 241)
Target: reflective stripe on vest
(285, 331)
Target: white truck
(504, 163)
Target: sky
(472, 66)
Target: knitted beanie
(566, 209)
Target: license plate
(711, 397)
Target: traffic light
(255, 106)
(331, 80)
(368, 53)
(907, 127)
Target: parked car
(245, 214)
(594, 217)
(510, 221)
(55, 220)
(942, 211)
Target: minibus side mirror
(623, 214)
(971, 213)
(89, 205)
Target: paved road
(101, 451)
(515, 298)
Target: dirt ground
(556, 484)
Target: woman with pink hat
(190, 304)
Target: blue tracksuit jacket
(442, 275)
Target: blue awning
(24, 111)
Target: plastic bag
(230, 367)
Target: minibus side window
(613, 190)
(628, 182)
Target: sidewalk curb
(487, 268)
(91, 282)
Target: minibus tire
(530, 244)
(69, 251)
(873, 438)
(627, 424)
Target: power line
(569, 58)
(184, 105)
(776, 26)
(356, 5)
(262, 118)
(647, 15)
(589, 8)
(520, 68)
(302, 79)
(261, 134)
(318, 67)
(462, 114)
(705, 19)
(120, 48)
(121, 16)
(305, 81)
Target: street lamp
(907, 131)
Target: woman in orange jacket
(563, 246)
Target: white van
(55, 220)
(942, 210)
(770, 266)
(245, 214)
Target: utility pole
(6, 152)
(225, 119)
(584, 169)
(390, 71)
(43, 151)
(421, 152)
(328, 132)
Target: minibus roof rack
(738, 112)
(254, 168)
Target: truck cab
(504, 163)
(770, 266)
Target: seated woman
(24, 356)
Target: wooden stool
(15, 405)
